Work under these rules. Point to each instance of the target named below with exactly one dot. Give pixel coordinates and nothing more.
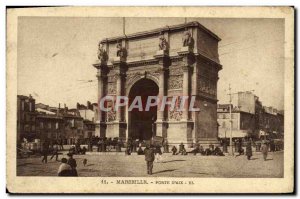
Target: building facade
(49, 127)
(88, 113)
(180, 60)
(73, 126)
(243, 123)
(26, 116)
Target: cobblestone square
(112, 165)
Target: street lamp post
(230, 114)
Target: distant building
(88, 114)
(243, 123)
(49, 127)
(73, 126)
(42, 106)
(250, 118)
(26, 116)
(246, 102)
(88, 129)
(272, 122)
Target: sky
(55, 55)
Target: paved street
(176, 166)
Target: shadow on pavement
(269, 159)
(199, 173)
(173, 161)
(25, 164)
(163, 171)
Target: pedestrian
(83, 150)
(90, 144)
(158, 153)
(166, 146)
(182, 150)
(140, 151)
(135, 144)
(196, 149)
(72, 150)
(99, 145)
(264, 150)
(64, 168)
(207, 152)
(129, 145)
(128, 150)
(248, 150)
(103, 147)
(272, 145)
(174, 150)
(45, 151)
(240, 147)
(218, 152)
(149, 157)
(73, 164)
(61, 144)
(119, 145)
(55, 152)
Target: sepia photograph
(145, 100)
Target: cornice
(158, 31)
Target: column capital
(162, 69)
(187, 56)
(161, 54)
(101, 74)
(163, 58)
(185, 68)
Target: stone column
(101, 76)
(186, 125)
(117, 128)
(185, 92)
(161, 93)
(119, 93)
(100, 93)
(163, 58)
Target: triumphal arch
(172, 61)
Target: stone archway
(141, 123)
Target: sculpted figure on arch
(102, 54)
(163, 44)
(188, 40)
(121, 51)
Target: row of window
(30, 105)
(49, 125)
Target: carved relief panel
(175, 78)
(176, 114)
(111, 83)
(207, 78)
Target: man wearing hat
(149, 157)
(73, 164)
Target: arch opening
(142, 123)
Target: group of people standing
(105, 144)
(264, 148)
(48, 149)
